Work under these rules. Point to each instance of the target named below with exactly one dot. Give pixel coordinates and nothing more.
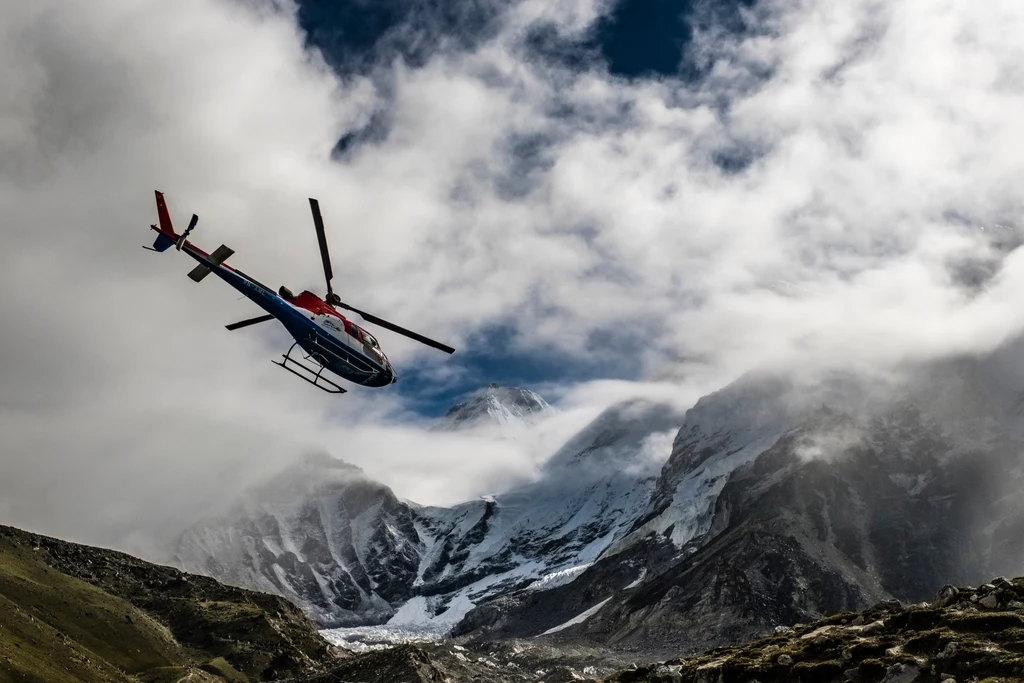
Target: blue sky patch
(490, 356)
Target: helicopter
(327, 340)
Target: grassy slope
(74, 613)
(54, 627)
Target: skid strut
(307, 373)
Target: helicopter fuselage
(326, 336)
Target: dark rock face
(529, 613)
(782, 510)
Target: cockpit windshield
(368, 339)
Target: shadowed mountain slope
(75, 613)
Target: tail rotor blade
(188, 231)
(251, 321)
(321, 237)
(370, 318)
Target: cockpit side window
(368, 340)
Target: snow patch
(415, 622)
(578, 619)
(367, 638)
(559, 578)
(639, 579)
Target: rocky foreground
(965, 634)
(75, 613)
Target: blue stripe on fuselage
(299, 324)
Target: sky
(598, 199)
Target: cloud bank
(839, 188)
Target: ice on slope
(548, 532)
(721, 433)
(415, 622)
(559, 578)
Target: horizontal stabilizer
(221, 254)
(199, 272)
(250, 321)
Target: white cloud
(884, 137)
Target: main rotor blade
(400, 330)
(321, 237)
(251, 321)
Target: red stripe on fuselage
(314, 304)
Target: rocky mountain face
(545, 533)
(783, 503)
(322, 534)
(780, 501)
(350, 553)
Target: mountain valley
(768, 503)
(653, 533)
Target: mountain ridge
(770, 501)
(74, 612)
(440, 561)
(842, 506)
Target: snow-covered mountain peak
(342, 546)
(496, 404)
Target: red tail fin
(165, 217)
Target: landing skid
(308, 373)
